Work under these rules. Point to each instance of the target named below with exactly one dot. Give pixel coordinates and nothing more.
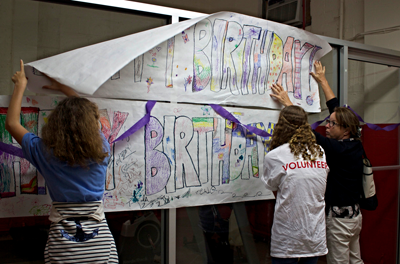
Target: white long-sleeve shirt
(299, 221)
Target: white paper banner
(187, 156)
(224, 58)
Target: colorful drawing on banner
(153, 59)
(185, 37)
(149, 83)
(17, 174)
(55, 102)
(309, 100)
(137, 192)
(231, 59)
(40, 210)
(188, 81)
(110, 131)
(266, 140)
(184, 156)
(153, 54)
(206, 110)
(170, 62)
(238, 115)
(177, 110)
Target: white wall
(246, 7)
(374, 90)
(31, 30)
(326, 21)
(382, 89)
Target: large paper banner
(187, 155)
(225, 58)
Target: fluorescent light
(144, 8)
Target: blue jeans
(309, 260)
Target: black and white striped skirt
(79, 238)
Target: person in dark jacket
(344, 150)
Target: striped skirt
(79, 238)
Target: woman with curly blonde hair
(293, 128)
(344, 151)
(296, 171)
(72, 156)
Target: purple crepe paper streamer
(372, 126)
(316, 124)
(225, 114)
(10, 149)
(139, 124)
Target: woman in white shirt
(296, 171)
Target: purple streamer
(372, 126)
(316, 124)
(139, 124)
(10, 149)
(225, 114)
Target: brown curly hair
(72, 132)
(293, 128)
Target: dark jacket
(344, 159)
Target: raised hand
(19, 78)
(280, 94)
(13, 125)
(319, 74)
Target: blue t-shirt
(67, 183)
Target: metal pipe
(341, 19)
(381, 168)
